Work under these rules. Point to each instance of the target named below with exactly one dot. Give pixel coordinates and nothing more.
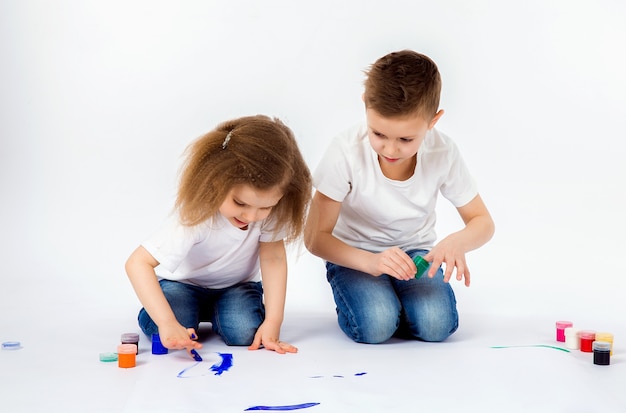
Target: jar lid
(108, 357)
(133, 337)
(587, 334)
(127, 349)
(603, 336)
(601, 346)
(564, 324)
(571, 331)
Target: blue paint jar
(157, 346)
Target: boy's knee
(436, 330)
(373, 328)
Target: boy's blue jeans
(236, 312)
(373, 309)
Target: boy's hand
(447, 252)
(393, 262)
(267, 337)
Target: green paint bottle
(421, 264)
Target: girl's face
(245, 204)
(397, 140)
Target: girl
(244, 190)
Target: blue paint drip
(227, 363)
(286, 407)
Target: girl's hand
(448, 252)
(267, 337)
(176, 336)
(393, 262)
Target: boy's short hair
(403, 83)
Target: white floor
(58, 368)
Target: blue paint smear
(180, 375)
(360, 374)
(227, 363)
(287, 407)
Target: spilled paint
(227, 363)
(282, 408)
(338, 376)
(536, 345)
(218, 368)
(181, 374)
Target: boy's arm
(320, 241)
(140, 269)
(273, 261)
(479, 229)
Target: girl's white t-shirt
(377, 212)
(213, 254)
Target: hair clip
(226, 140)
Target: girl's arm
(140, 269)
(273, 261)
(320, 241)
(479, 229)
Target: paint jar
(421, 264)
(157, 346)
(601, 353)
(126, 354)
(560, 330)
(131, 338)
(108, 357)
(587, 338)
(572, 341)
(608, 337)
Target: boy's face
(397, 140)
(245, 204)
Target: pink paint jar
(587, 337)
(560, 330)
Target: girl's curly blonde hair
(255, 150)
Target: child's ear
(435, 119)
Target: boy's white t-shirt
(213, 254)
(377, 212)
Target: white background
(99, 99)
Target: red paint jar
(587, 337)
(560, 330)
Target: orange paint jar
(126, 355)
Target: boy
(374, 209)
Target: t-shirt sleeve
(270, 232)
(332, 177)
(171, 243)
(459, 187)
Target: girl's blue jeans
(235, 312)
(374, 309)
